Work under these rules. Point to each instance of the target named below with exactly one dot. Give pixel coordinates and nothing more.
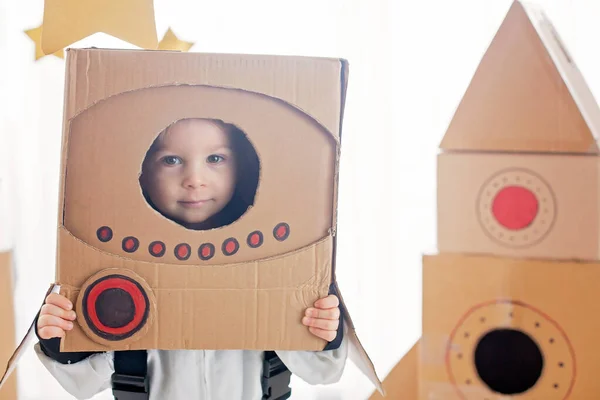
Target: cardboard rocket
(510, 301)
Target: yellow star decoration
(35, 35)
(172, 42)
(68, 21)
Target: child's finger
(49, 332)
(327, 324)
(51, 309)
(59, 301)
(332, 313)
(323, 334)
(51, 320)
(330, 301)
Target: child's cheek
(167, 172)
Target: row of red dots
(206, 251)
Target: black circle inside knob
(508, 361)
(115, 308)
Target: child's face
(191, 175)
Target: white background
(410, 62)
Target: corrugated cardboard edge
(357, 353)
(69, 83)
(402, 382)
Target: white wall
(410, 63)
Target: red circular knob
(115, 307)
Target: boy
(201, 174)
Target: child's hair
(247, 170)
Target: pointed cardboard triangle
(403, 380)
(527, 94)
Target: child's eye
(171, 160)
(214, 159)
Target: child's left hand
(323, 320)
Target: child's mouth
(193, 204)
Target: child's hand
(55, 317)
(323, 320)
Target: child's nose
(194, 177)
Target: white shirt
(199, 374)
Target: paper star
(172, 42)
(35, 35)
(68, 21)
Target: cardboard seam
(69, 92)
(259, 57)
(336, 172)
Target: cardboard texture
(509, 301)
(533, 205)
(8, 389)
(249, 297)
(527, 94)
(140, 280)
(509, 328)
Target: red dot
(183, 251)
(157, 249)
(515, 207)
(130, 244)
(255, 239)
(105, 234)
(281, 231)
(230, 247)
(206, 251)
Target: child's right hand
(56, 317)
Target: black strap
(130, 379)
(275, 379)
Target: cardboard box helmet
(247, 280)
(144, 276)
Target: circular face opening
(508, 361)
(200, 173)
